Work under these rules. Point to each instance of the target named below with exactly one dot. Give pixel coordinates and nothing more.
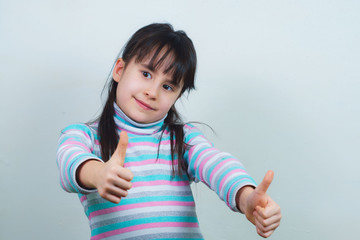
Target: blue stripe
(224, 174)
(144, 157)
(211, 169)
(118, 117)
(229, 184)
(148, 199)
(136, 222)
(142, 138)
(193, 160)
(190, 136)
(157, 177)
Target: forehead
(158, 60)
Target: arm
(81, 171)
(259, 208)
(220, 171)
(111, 179)
(75, 147)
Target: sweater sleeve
(220, 171)
(75, 146)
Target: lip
(144, 105)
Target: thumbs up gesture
(111, 179)
(259, 208)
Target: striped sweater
(159, 205)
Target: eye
(168, 87)
(146, 74)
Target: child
(132, 168)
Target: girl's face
(143, 94)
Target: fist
(113, 180)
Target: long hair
(164, 46)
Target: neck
(124, 122)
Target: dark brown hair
(163, 45)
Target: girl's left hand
(259, 208)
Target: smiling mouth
(143, 105)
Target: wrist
(241, 198)
(86, 173)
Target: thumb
(264, 185)
(120, 150)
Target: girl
(132, 168)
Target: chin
(142, 120)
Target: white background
(277, 80)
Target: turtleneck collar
(122, 121)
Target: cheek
(127, 87)
(169, 102)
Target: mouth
(143, 105)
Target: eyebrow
(148, 66)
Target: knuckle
(125, 193)
(128, 175)
(102, 193)
(113, 169)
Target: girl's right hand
(111, 179)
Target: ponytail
(107, 128)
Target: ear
(118, 69)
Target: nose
(152, 91)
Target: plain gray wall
(277, 80)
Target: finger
(126, 174)
(265, 231)
(269, 228)
(123, 184)
(116, 191)
(264, 234)
(112, 198)
(271, 209)
(264, 185)
(265, 222)
(121, 147)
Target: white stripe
(129, 212)
(159, 188)
(154, 231)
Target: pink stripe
(83, 198)
(76, 130)
(222, 163)
(160, 182)
(67, 164)
(134, 144)
(139, 205)
(225, 178)
(144, 226)
(189, 127)
(166, 132)
(149, 161)
(203, 139)
(228, 194)
(63, 185)
(203, 162)
(199, 156)
(76, 143)
(230, 190)
(69, 158)
(131, 132)
(192, 149)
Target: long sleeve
(220, 171)
(75, 146)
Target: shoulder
(78, 127)
(82, 130)
(193, 135)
